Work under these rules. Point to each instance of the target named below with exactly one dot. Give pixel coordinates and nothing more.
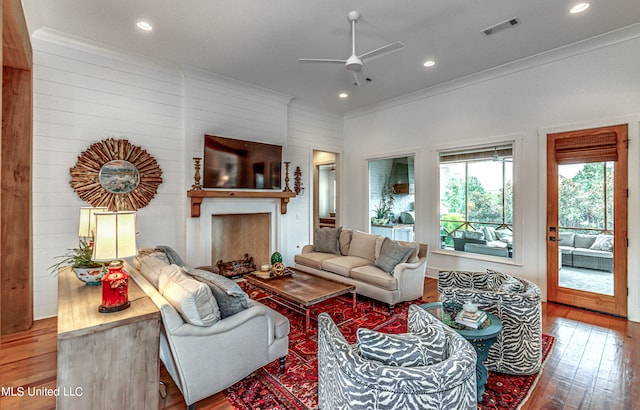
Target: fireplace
(230, 227)
(233, 235)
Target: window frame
(516, 142)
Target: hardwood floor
(595, 364)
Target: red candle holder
(115, 289)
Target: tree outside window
(476, 200)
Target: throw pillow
(391, 254)
(231, 299)
(406, 350)
(344, 240)
(603, 243)
(421, 322)
(363, 245)
(192, 299)
(327, 240)
(151, 267)
(512, 285)
(495, 279)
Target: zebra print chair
(518, 304)
(346, 380)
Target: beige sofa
(205, 359)
(358, 260)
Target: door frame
(616, 304)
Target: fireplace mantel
(198, 195)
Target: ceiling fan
(355, 62)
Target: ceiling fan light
(429, 63)
(343, 95)
(579, 8)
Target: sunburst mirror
(116, 174)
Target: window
(476, 200)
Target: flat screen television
(230, 163)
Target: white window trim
(518, 244)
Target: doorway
(392, 197)
(325, 183)
(587, 219)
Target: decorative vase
(90, 276)
(276, 257)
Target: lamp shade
(87, 228)
(115, 236)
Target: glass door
(587, 219)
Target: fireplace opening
(234, 235)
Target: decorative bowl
(90, 276)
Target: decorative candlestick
(297, 184)
(196, 185)
(286, 177)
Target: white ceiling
(260, 41)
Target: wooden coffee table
(300, 290)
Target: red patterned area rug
(268, 389)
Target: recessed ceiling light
(143, 25)
(579, 8)
(429, 63)
(343, 95)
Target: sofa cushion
(584, 241)
(375, 276)
(344, 241)
(342, 265)
(327, 240)
(231, 299)
(603, 243)
(151, 266)
(473, 235)
(391, 254)
(566, 239)
(406, 349)
(192, 299)
(592, 253)
(313, 259)
(363, 245)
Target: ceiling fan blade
(320, 60)
(382, 50)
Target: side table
(481, 339)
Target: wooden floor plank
(594, 364)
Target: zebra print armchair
(346, 380)
(516, 302)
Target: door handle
(552, 238)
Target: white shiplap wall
(84, 93)
(308, 130)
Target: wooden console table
(106, 360)
(196, 196)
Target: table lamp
(115, 239)
(87, 228)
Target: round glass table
(481, 339)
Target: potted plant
(79, 259)
(383, 210)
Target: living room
(85, 91)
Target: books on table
(473, 320)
